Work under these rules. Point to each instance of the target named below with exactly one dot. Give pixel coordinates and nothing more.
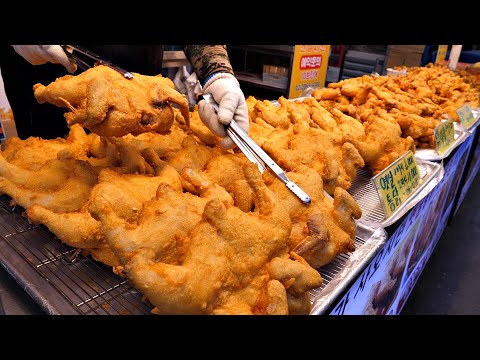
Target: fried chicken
(225, 265)
(383, 143)
(69, 192)
(33, 152)
(105, 102)
(170, 213)
(323, 229)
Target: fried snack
(105, 102)
(172, 214)
(79, 229)
(34, 152)
(222, 265)
(67, 192)
(312, 139)
(323, 229)
(383, 143)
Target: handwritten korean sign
(397, 182)
(466, 116)
(444, 136)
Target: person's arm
(215, 73)
(41, 54)
(207, 60)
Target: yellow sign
(444, 136)
(309, 68)
(397, 182)
(441, 54)
(466, 116)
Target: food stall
(375, 153)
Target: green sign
(397, 182)
(466, 116)
(444, 136)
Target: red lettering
(310, 62)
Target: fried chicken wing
(104, 101)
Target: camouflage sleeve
(208, 59)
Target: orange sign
(309, 69)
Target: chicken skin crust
(103, 101)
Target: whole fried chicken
(225, 264)
(105, 102)
(171, 213)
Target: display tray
(42, 266)
(433, 155)
(345, 267)
(373, 213)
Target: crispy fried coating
(225, 267)
(105, 102)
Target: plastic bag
(187, 84)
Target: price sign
(466, 116)
(444, 136)
(397, 182)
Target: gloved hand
(231, 102)
(41, 54)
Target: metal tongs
(255, 153)
(69, 50)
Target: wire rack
(90, 287)
(331, 270)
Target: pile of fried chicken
(198, 229)
(416, 102)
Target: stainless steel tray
(367, 198)
(338, 275)
(42, 265)
(433, 155)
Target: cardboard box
(276, 75)
(409, 48)
(401, 57)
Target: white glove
(231, 102)
(41, 54)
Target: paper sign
(466, 116)
(441, 54)
(397, 182)
(444, 136)
(309, 69)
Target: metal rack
(340, 273)
(44, 267)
